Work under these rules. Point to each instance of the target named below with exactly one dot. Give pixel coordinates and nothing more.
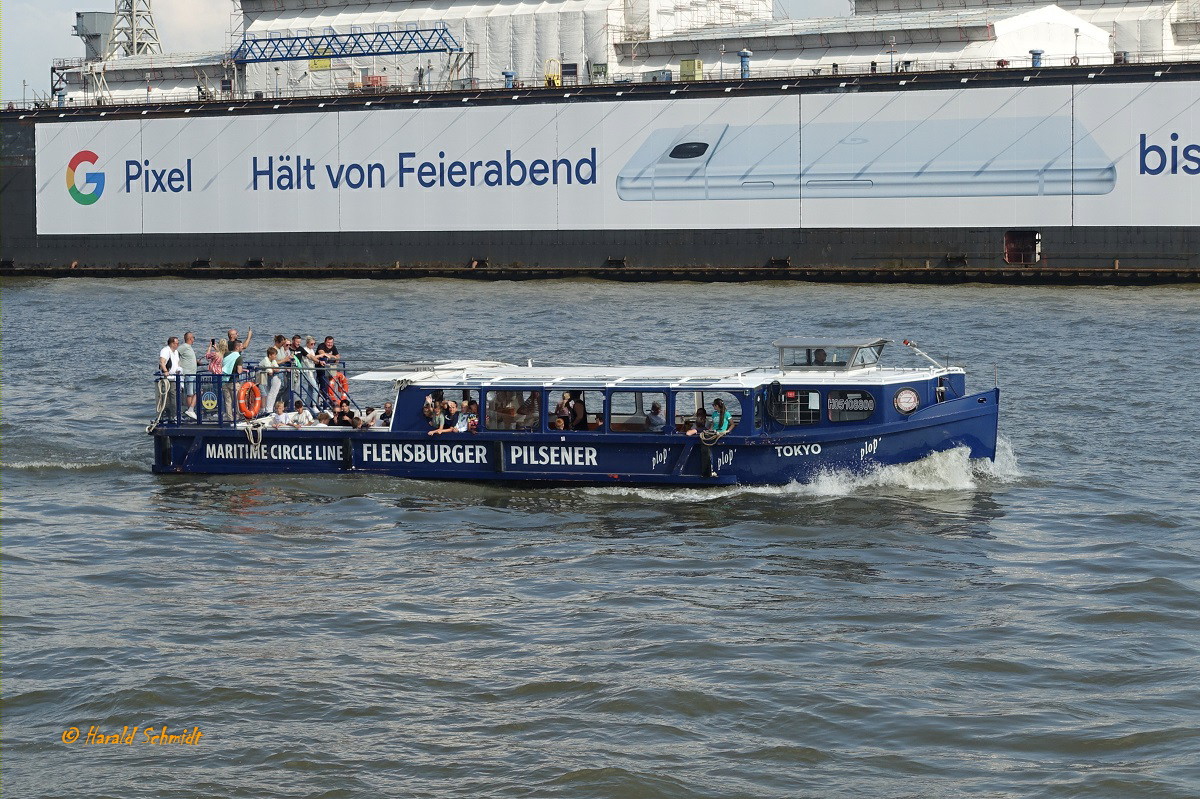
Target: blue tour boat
(827, 405)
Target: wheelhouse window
(694, 409)
(576, 410)
(815, 357)
(513, 410)
(637, 412)
(794, 406)
(850, 406)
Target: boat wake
(950, 471)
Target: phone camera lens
(690, 149)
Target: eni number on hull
(828, 404)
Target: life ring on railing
(1074, 60)
(249, 400)
(339, 387)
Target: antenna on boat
(912, 345)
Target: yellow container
(691, 69)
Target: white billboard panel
(970, 157)
(529, 167)
(1151, 132)
(980, 157)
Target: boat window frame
(640, 390)
(540, 427)
(818, 413)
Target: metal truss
(347, 45)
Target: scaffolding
(409, 41)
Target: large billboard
(972, 157)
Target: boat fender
(339, 387)
(249, 399)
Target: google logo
(92, 179)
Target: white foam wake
(950, 471)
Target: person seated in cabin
(344, 415)
(301, 417)
(563, 409)
(469, 420)
(281, 418)
(527, 412)
(558, 424)
(323, 420)
(579, 419)
(819, 357)
(699, 422)
(448, 419)
(655, 421)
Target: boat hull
(585, 458)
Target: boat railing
(216, 396)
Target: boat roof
(813, 342)
(497, 374)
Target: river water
(1024, 628)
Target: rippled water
(1024, 628)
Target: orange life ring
(249, 409)
(339, 387)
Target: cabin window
(513, 410)
(815, 357)
(576, 409)
(637, 412)
(850, 406)
(693, 409)
(794, 406)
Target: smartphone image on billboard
(1024, 156)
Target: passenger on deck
(344, 416)
(700, 423)
(232, 367)
(370, 417)
(655, 421)
(168, 364)
(232, 336)
(217, 350)
(322, 420)
(326, 357)
(385, 418)
(301, 417)
(269, 376)
(559, 424)
(448, 419)
(281, 418)
(187, 361)
(303, 360)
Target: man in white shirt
(168, 364)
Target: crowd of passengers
(570, 413)
(298, 366)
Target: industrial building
(288, 48)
